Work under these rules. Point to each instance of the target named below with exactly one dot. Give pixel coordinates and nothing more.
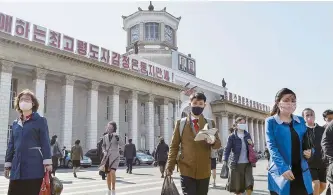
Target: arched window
(152, 31)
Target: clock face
(168, 34)
(135, 33)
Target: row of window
(152, 32)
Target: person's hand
(288, 175)
(307, 153)
(168, 172)
(7, 173)
(48, 168)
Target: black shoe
(130, 172)
(103, 177)
(75, 175)
(126, 170)
(162, 176)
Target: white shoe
(113, 192)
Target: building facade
(81, 86)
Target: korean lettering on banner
(166, 75)
(115, 59)
(135, 65)
(93, 51)
(68, 43)
(247, 102)
(151, 70)
(143, 68)
(125, 62)
(235, 98)
(81, 48)
(105, 55)
(54, 39)
(239, 99)
(159, 73)
(225, 95)
(22, 28)
(243, 100)
(230, 96)
(6, 23)
(39, 34)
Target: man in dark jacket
(100, 155)
(316, 164)
(327, 145)
(161, 155)
(129, 154)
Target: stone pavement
(145, 179)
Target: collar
(313, 126)
(279, 121)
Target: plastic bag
(169, 187)
(45, 189)
(224, 171)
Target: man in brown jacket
(194, 160)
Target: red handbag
(45, 189)
(252, 154)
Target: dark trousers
(129, 163)
(54, 164)
(192, 186)
(162, 166)
(28, 187)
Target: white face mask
(25, 106)
(242, 126)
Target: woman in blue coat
(288, 172)
(28, 153)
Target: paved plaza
(145, 179)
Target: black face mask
(197, 110)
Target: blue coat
(278, 140)
(234, 145)
(28, 149)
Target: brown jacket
(194, 160)
(76, 152)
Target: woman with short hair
(28, 153)
(56, 153)
(76, 157)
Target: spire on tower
(151, 7)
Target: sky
(258, 47)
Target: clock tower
(153, 32)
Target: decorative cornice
(116, 90)
(40, 73)
(7, 66)
(84, 61)
(69, 80)
(94, 85)
(224, 114)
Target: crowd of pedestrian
(299, 151)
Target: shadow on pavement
(142, 174)
(124, 182)
(86, 178)
(66, 182)
(218, 188)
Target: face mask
(242, 126)
(287, 107)
(25, 106)
(197, 110)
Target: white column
(150, 122)
(262, 139)
(256, 130)
(67, 111)
(115, 105)
(165, 120)
(92, 130)
(224, 131)
(5, 104)
(233, 119)
(142, 27)
(171, 121)
(134, 118)
(162, 31)
(39, 87)
(250, 123)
